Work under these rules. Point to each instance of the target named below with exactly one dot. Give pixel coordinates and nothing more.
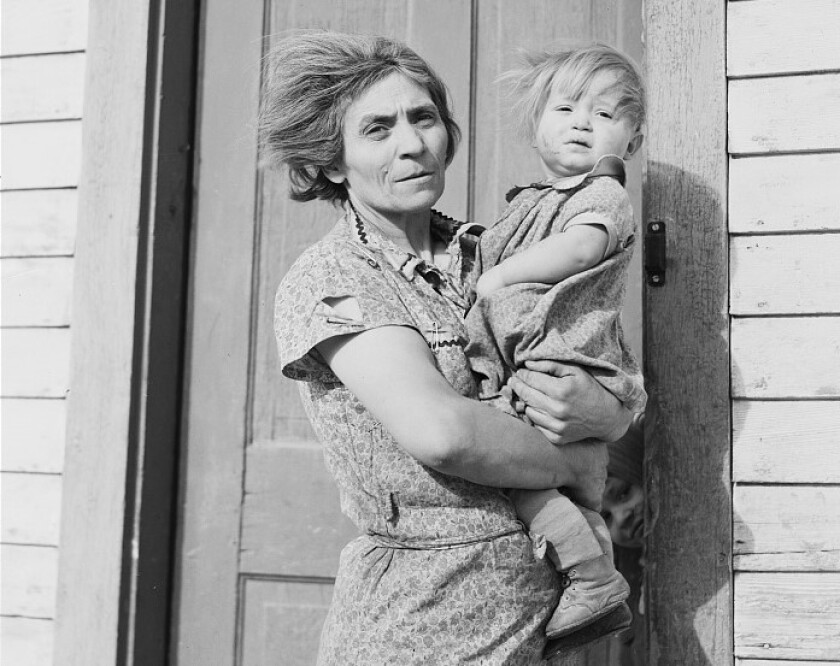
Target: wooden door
(261, 529)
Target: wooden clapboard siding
(42, 64)
(786, 357)
(41, 155)
(786, 441)
(37, 291)
(31, 508)
(766, 114)
(43, 87)
(43, 26)
(33, 435)
(805, 276)
(787, 528)
(36, 362)
(783, 57)
(786, 662)
(27, 641)
(38, 223)
(29, 575)
(787, 615)
(784, 193)
(780, 36)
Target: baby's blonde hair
(573, 71)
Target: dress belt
(387, 541)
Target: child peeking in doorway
(550, 278)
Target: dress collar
(608, 165)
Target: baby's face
(624, 512)
(573, 134)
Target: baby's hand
(489, 282)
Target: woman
(370, 320)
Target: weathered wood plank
(38, 222)
(283, 617)
(29, 577)
(43, 26)
(787, 615)
(46, 87)
(36, 362)
(765, 115)
(807, 29)
(786, 442)
(33, 435)
(39, 155)
(309, 538)
(772, 193)
(37, 291)
(786, 357)
(786, 528)
(31, 508)
(689, 615)
(27, 641)
(805, 274)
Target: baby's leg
(579, 546)
(569, 536)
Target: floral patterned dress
(443, 573)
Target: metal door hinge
(654, 257)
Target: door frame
(129, 316)
(686, 335)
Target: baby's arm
(551, 260)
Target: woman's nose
(410, 140)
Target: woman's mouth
(414, 177)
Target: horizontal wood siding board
(786, 442)
(32, 434)
(786, 528)
(785, 357)
(43, 26)
(31, 508)
(36, 362)
(29, 580)
(787, 615)
(38, 223)
(805, 274)
(782, 193)
(779, 36)
(26, 641)
(47, 87)
(41, 155)
(37, 291)
(766, 115)
(786, 662)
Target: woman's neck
(408, 231)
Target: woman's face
(394, 149)
(623, 512)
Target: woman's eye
(376, 131)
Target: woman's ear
(335, 174)
(634, 145)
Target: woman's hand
(566, 404)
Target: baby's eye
(565, 108)
(605, 114)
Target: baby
(550, 278)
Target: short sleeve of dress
(303, 317)
(603, 202)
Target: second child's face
(623, 510)
(572, 135)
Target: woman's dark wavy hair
(309, 81)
